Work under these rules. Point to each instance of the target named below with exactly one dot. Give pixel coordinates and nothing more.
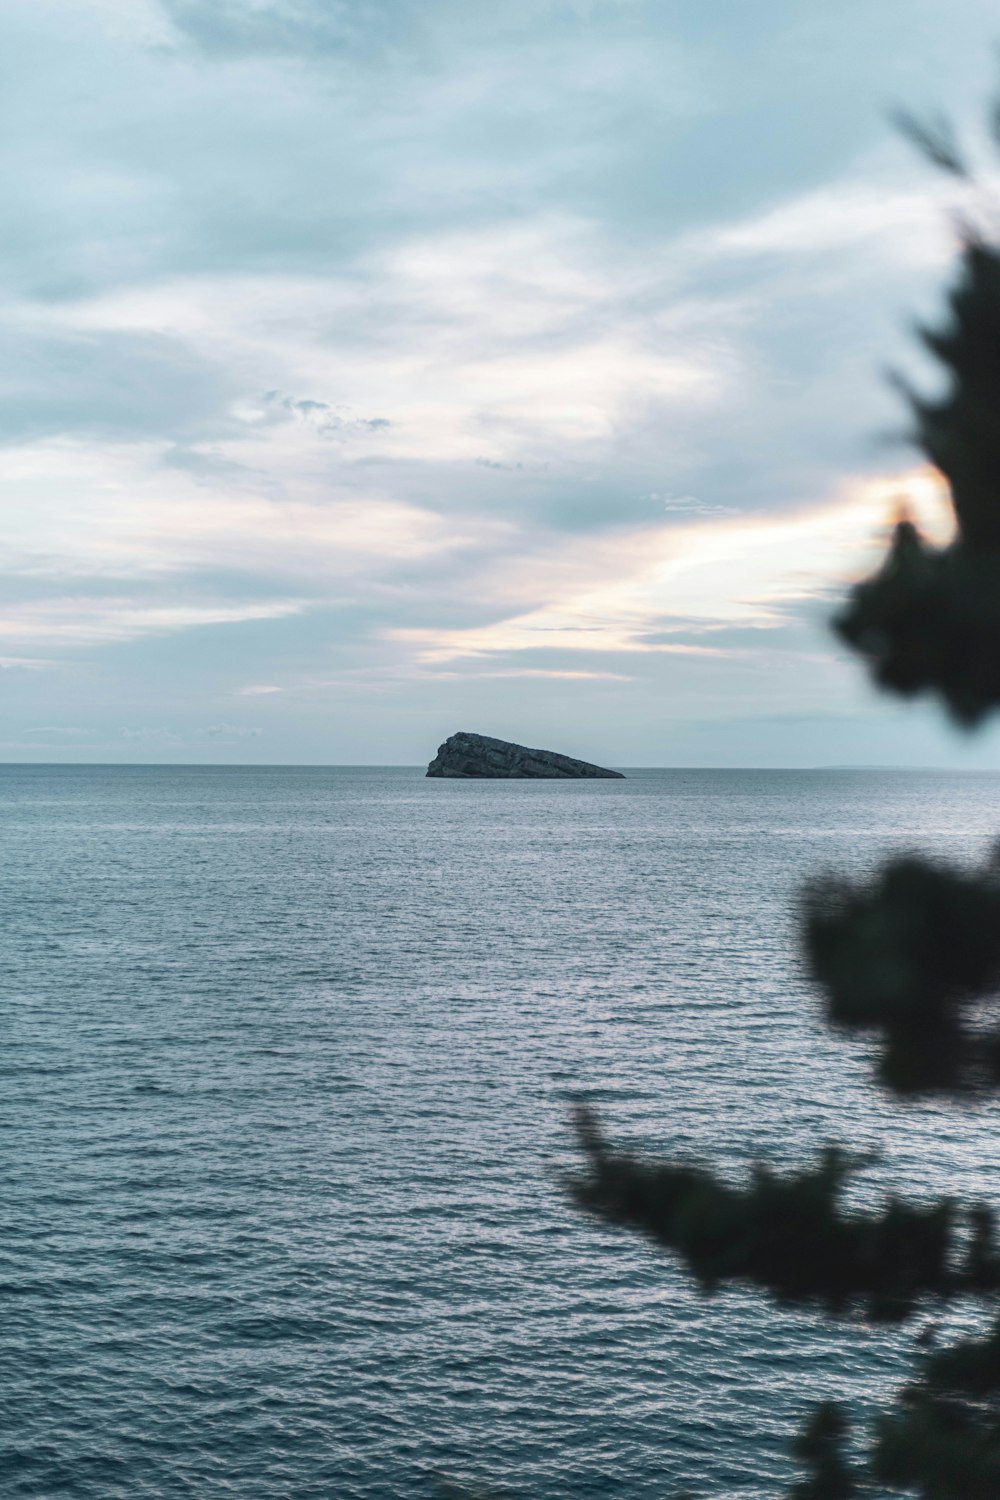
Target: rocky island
(469, 755)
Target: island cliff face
(468, 755)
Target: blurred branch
(933, 138)
(820, 1447)
(906, 953)
(789, 1235)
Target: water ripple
(286, 1070)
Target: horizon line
(357, 765)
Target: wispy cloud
(744, 572)
(94, 513)
(89, 621)
(553, 673)
(25, 664)
(907, 225)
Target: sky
(375, 369)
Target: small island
(477, 755)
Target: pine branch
(906, 953)
(820, 1447)
(790, 1235)
(935, 139)
(929, 619)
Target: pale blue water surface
(286, 1061)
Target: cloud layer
(372, 368)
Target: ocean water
(286, 1063)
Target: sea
(288, 1059)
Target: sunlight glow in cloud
(726, 572)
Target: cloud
(690, 505)
(112, 384)
(580, 376)
(631, 597)
(161, 735)
(88, 621)
(68, 731)
(498, 346)
(325, 419)
(231, 732)
(148, 735)
(206, 465)
(100, 513)
(908, 224)
(242, 28)
(549, 673)
(402, 355)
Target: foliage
(906, 954)
(789, 1235)
(820, 1446)
(929, 620)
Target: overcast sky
(374, 369)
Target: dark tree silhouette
(912, 954)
